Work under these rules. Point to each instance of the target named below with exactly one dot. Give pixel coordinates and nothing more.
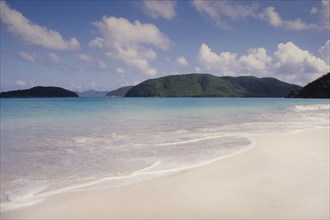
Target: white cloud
(294, 64)
(130, 42)
(28, 57)
(221, 11)
(325, 52)
(22, 83)
(197, 69)
(223, 63)
(54, 59)
(271, 17)
(313, 10)
(97, 43)
(182, 61)
(325, 14)
(34, 34)
(84, 57)
(274, 19)
(224, 12)
(289, 63)
(120, 71)
(102, 65)
(163, 9)
(256, 60)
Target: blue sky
(104, 45)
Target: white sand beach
(285, 176)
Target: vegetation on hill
(39, 92)
(319, 88)
(121, 92)
(206, 85)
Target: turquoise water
(54, 145)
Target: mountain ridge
(39, 92)
(207, 85)
(319, 88)
(120, 92)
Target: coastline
(285, 176)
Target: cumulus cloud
(225, 62)
(27, 57)
(294, 64)
(160, 9)
(222, 11)
(255, 60)
(182, 61)
(129, 42)
(289, 63)
(34, 34)
(98, 42)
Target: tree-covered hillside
(319, 88)
(206, 85)
(39, 92)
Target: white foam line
(194, 140)
(40, 197)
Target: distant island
(207, 85)
(92, 94)
(39, 92)
(193, 85)
(319, 88)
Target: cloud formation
(129, 42)
(101, 65)
(224, 12)
(325, 14)
(51, 58)
(289, 63)
(160, 9)
(84, 57)
(34, 34)
(182, 61)
(54, 59)
(325, 52)
(119, 71)
(274, 19)
(27, 57)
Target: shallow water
(54, 145)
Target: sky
(104, 45)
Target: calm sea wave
(54, 145)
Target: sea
(55, 145)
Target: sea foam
(60, 145)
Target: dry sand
(286, 176)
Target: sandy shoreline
(286, 176)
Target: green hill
(206, 85)
(319, 88)
(121, 92)
(39, 92)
